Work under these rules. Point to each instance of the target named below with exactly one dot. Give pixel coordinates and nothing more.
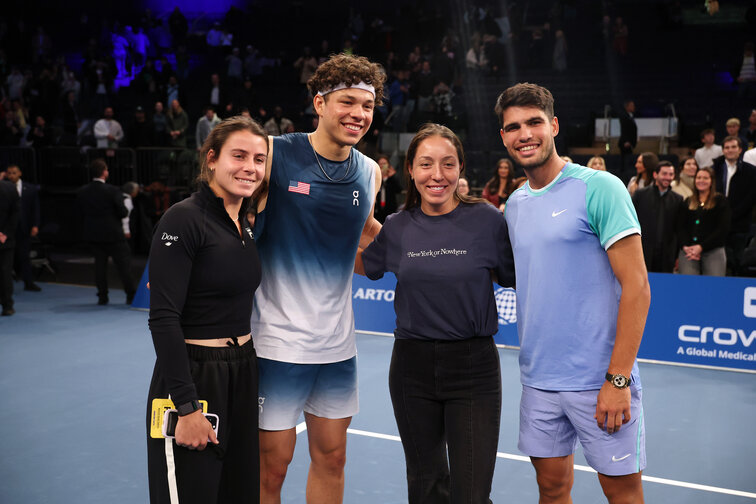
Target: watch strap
(188, 407)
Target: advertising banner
(694, 320)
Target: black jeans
(447, 399)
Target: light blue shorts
(324, 390)
(552, 423)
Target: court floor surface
(74, 377)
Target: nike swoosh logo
(555, 213)
(615, 459)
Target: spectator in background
(391, 188)
(278, 124)
(102, 208)
(9, 214)
(476, 57)
(559, 56)
(738, 182)
(10, 133)
(41, 135)
(140, 131)
(217, 94)
(252, 62)
(247, 98)
(120, 51)
(628, 129)
(70, 84)
(172, 90)
(706, 155)
(15, 83)
(463, 187)
(747, 75)
(733, 129)
(178, 123)
(702, 228)
(645, 165)
(750, 156)
(399, 97)
(500, 186)
(621, 37)
(71, 119)
(159, 126)
(205, 125)
(108, 131)
(141, 45)
(750, 133)
(658, 209)
(235, 68)
(214, 37)
(685, 177)
(423, 83)
(178, 26)
(28, 225)
(597, 163)
(306, 64)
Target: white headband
(360, 85)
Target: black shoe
(102, 301)
(32, 287)
(130, 298)
(8, 312)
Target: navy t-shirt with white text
(443, 267)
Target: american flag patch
(299, 187)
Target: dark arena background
(74, 375)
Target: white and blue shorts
(324, 390)
(552, 423)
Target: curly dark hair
(349, 69)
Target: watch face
(619, 381)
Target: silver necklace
(349, 166)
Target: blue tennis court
(74, 381)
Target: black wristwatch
(619, 381)
(188, 407)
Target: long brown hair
(430, 130)
(695, 200)
(650, 162)
(218, 136)
(494, 184)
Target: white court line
(521, 458)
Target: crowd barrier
(67, 167)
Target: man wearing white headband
(316, 213)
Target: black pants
(447, 399)
(22, 261)
(121, 255)
(225, 473)
(734, 247)
(6, 277)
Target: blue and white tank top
(307, 238)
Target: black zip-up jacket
(203, 276)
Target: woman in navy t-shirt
(445, 380)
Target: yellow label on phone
(159, 407)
